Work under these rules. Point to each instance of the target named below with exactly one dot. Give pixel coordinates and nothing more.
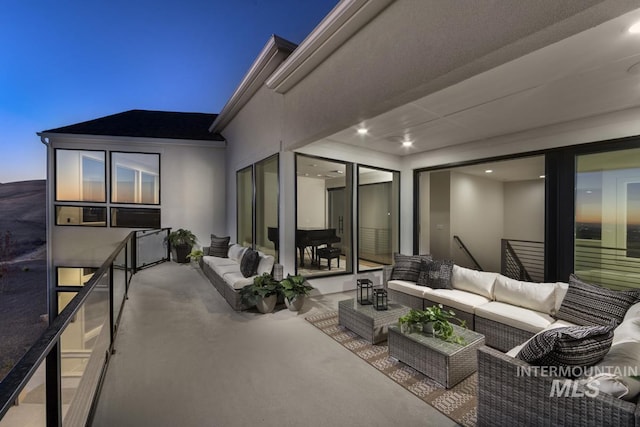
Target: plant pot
(180, 253)
(427, 328)
(295, 304)
(266, 304)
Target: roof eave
(345, 20)
(101, 139)
(272, 55)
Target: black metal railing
(467, 252)
(607, 266)
(522, 260)
(68, 362)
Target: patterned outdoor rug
(457, 403)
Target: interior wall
(424, 219)
(311, 202)
(440, 215)
(477, 211)
(524, 210)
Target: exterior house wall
(188, 199)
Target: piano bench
(328, 253)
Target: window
(81, 178)
(607, 223)
(80, 175)
(266, 218)
(324, 210)
(378, 217)
(135, 217)
(135, 178)
(244, 206)
(257, 189)
(81, 215)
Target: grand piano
(307, 238)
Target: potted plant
(195, 255)
(263, 293)
(181, 242)
(434, 321)
(295, 290)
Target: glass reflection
(378, 217)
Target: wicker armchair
(506, 397)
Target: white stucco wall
(192, 195)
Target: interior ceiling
(584, 75)
(521, 169)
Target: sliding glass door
(607, 218)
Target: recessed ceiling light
(362, 131)
(319, 174)
(488, 171)
(407, 143)
(338, 171)
(635, 28)
(542, 176)
(589, 191)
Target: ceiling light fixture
(407, 143)
(338, 171)
(363, 131)
(635, 28)
(542, 176)
(488, 171)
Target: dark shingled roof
(147, 124)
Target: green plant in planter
(262, 287)
(439, 318)
(181, 242)
(195, 255)
(294, 286)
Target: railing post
(53, 387)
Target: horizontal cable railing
(615, 268)
(53, 371)
(522, 259)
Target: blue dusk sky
(67, 61)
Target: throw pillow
(588, 304)
(572, 346)
(436, 274)
(219, 246)
(249, 263)
(407, 267)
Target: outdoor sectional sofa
(225, 275)
(509, 313)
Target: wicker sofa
(506, 395)
(224, 273)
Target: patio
(184, 357)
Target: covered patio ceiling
(594, 72)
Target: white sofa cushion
(236, 251)
(535, 296)
(461, 300)
(517, 317)
(613, 374)
(409, 288)
(237, 280)
(627, 331)
(265, 265)
(561, 291)
(476, 282)
(221, 270)
(212, 261)
(633, 312)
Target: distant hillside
(23, 213)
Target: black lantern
(380, 299)
(365, 286)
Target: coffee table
(445, 362)
(366, 321)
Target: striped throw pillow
(407, 267)
(219, 246)
(572, 346)
(588, 304)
